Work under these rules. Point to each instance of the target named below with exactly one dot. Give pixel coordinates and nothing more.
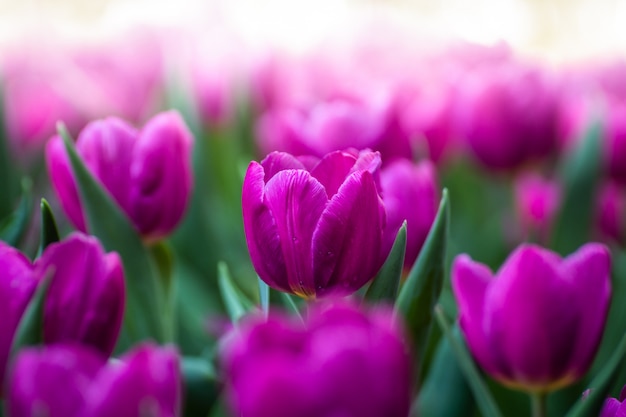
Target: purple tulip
(614, 407)
(17, 285)
(615, 146)
(85, 300)
(147, 172)
(537, 201)
(509, 116)
(410, 192)
(314, 230)
(611, 212)
(537, 323)
(52, 381)
(74, 381)
(147, 382)
(282, 368)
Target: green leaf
(420, 292)
(145, 305)
(579, 175)
(163, 258)
(14, 226)
(600, 385)
(264, 296)
(29, 331)
(237, 305)
(291, 305)
(49, 231)
(434, 399)
(202, 387)
(386, 283)
(482, 395)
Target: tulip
(410, 192)
(611, 210)
(17, 285)
(537, 201)
(615, 142)
(85, 300)
(509, 116)
(537, 323)
(325, 367)
(74, 381)
(614, 407)
(52, 381)
(318, 230)
(147, 172)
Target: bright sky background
(554, 30)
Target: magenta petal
(296, 201)
(279, 161)
(146, 382)
(610, 408)
(17, 285)
(347, 242)
(160, 175)
(63, 182)
(470, 281)
(261, 231)
(589, 271)
(85, 300)
(106, 147)
(530, 317)
(332, 170)
(51, 382)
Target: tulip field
(366, 229)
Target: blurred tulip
(147, 172)
(509, 115)
(72, 381)
(537, 201)
(52, 381)
(17, 285)
(611, 212)
(615, 141)
(537, 323)
(314, 231)
(410, 192)
(282, 368)
(85, 300)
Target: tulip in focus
(614, 407)
(314, 228)
(74, 381)
(342, 362)
(536, 324)
(147, 172)
(17, 285)
(410, 192)
(85, 300)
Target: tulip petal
(261, 231)
(279, 161)
(332, 170)
(63, 182)
(589, 271)
(296, 201)
(347, 241)
(530, 319)
(470, 281)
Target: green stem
(538, 404)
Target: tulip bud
(52, 381)
(410, 192)
(318, 231)
(17, 285)
(282, 368)
(85, 300)
(537, 201)
(74, 381)
(614, 407)
(537, 323)
(147, 172)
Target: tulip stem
(538, 404)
